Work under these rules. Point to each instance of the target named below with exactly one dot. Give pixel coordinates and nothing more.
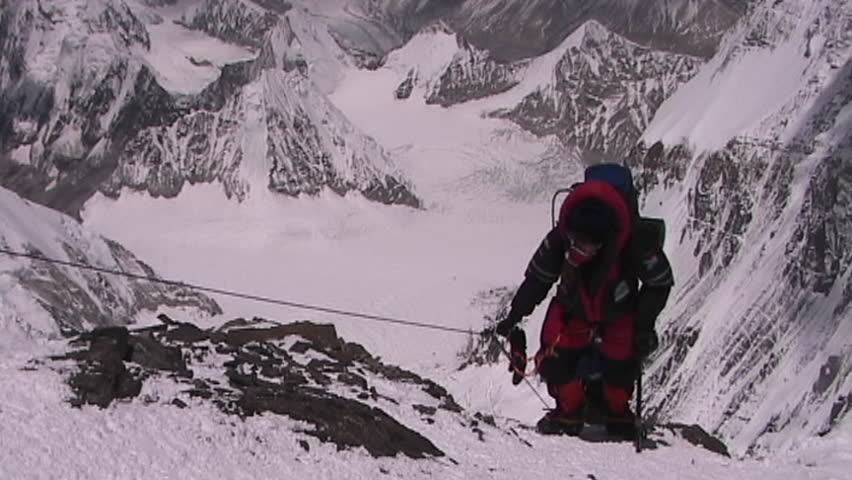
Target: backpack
(649, 233)
(619, 177)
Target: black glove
(646, 343)
(507, 324)
(518, 355)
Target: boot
(620, 421)
(555, 422)
(622, 426)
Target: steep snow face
(275, 131)
(596, 92)
(65, 74)
(758, 236)
(512, 30)
(753, 159)
(41, 300)
(474, 74)
(601, 93)
(296, 34)
(184, 60)
(445, 69)
(771, 64)
(89, 102)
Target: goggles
(580, 250)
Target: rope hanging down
(525, 377)
(230, 293)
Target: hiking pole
(639, 433)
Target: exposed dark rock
(235, 22)
(152, 354)
(199, 62)
(605, 91)
(279, 7)
(232, 77)
(200, 393)
(404, 89)
(471, 75)
(262, 375)
(344, 422)
(391, 192)
(300, 347)
(839, 410)
(827, 374)
(166, 319)
(826, 231)
(658, 166)
(323, 336)
(353, 379)
(187, 333)
(150, 106)
(397, 374)
(696, 435)
(104, 341)
(69, 304)
(316, 369)
(486, 419)
(425, 410)
(102, 376)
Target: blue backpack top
(619, 177)
(614, 174)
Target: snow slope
(752, 174)
(40, 301)
(773, 63)
(427, 266)
(185, 60)
(42, 437)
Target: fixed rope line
(258, 298)
(526, 379)
(231, 293)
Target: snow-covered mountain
(750, 162)
(596, 92)
(43, 300)
(92, 101)
(747, 157)
(512, 30)
(601, 92)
